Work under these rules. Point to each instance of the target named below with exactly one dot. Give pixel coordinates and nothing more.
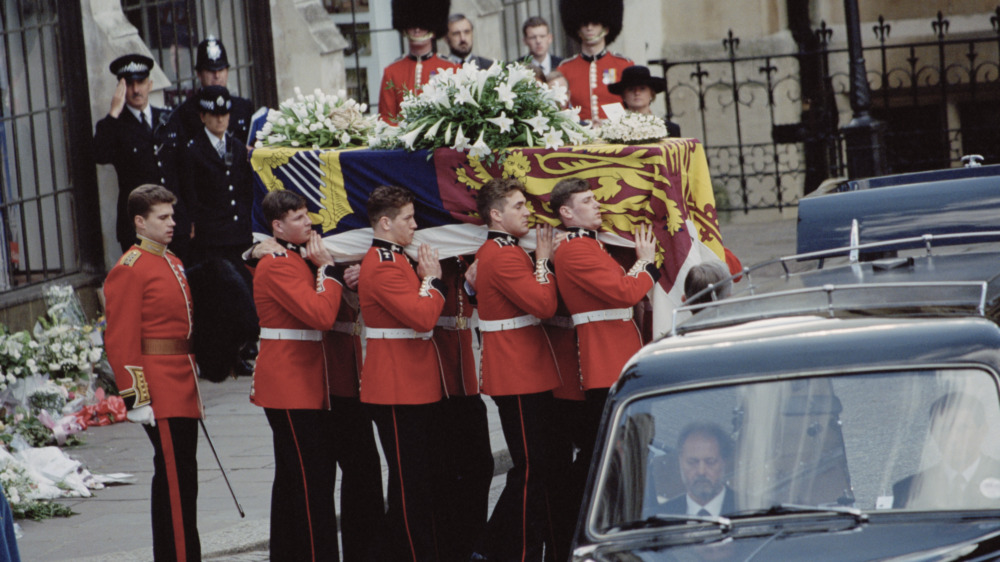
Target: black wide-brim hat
(431, 15)
(637, 76)
(577, 13)
(133, 67)
(215, 100)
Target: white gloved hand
(142, 414)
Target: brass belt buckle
(461, 322)
(357, 329)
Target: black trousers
(521, 521)
(464, 473)
(407, 433)
(569, 472)
(303, 518)
(362, 505)
(175, 489)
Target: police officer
(212, 66)
(217, 182)
(135, 137)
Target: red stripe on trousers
(402, 490)
(305, 487)
(527, 473)
(174, 490)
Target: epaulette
(619, 55)
(385, 254)
(130, 257)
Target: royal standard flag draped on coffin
(665, 184)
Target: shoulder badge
(574, 234)
(505, 241)
(130, 257)
(385, 254)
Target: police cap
(133, 68)
(215, 100)
(211, 55)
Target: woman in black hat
(638, 90)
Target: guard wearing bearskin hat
(420, 23)
(594, 23)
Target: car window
(874, 441)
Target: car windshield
(924, 440)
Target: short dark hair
(387, 201)
(553, 75)
(142, 199)
(459, 17)
(711, 430)
(278, 203)
(493, 194)
(948, 403)
(533, 21)
(701, 276)
(564, 190)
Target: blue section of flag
(364, 170)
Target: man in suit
(705, 459)
(460, 42)
(965, 478)
(136, 139)
(212, 66)
(538, 39)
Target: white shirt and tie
(712, 508)
(218, 143)
(144, 116)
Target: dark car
(842, 409)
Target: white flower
(461, 141)
(480, 149)
(273, 116)
(465, 96)
(539, 122)
(345, 138)
(447, 134)
(503, 122)
(506, 94)
(519, 72)
(295, 143)
(557, 93)
(411, 137)
(434, 129)
(553, 139)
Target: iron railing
(770, 137)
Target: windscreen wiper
(667, 519)
(784, 508)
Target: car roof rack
(955, 297)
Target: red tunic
(589, 279)
(562, 336)
(517, 361)
(147, 297)
(292, 374)
(400, 76)
(588, 82)
(454, 342)
(398, 371)
(343, 352)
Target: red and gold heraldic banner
(665, 184)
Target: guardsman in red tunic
(296, 304)
(466, 458)
(599, 294)
(401, 380)
(595, 24)
(148, 341)
(420, 22)
(514, 293)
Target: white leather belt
(453, 322)
(564, 322)
(290, 334)
(396, 334)
(508, 323)
(349, 328)
(601, 315)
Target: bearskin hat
(225, 318)
(576, 13)
(427, 14)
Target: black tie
(142, 119)
(704, 513)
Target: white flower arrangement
(633, 128)
(317, 121)
(482, 111)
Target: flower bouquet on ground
(483, 111)
(633, 128)
(317, 121)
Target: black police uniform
(141, 155)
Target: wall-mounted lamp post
(864, 135)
